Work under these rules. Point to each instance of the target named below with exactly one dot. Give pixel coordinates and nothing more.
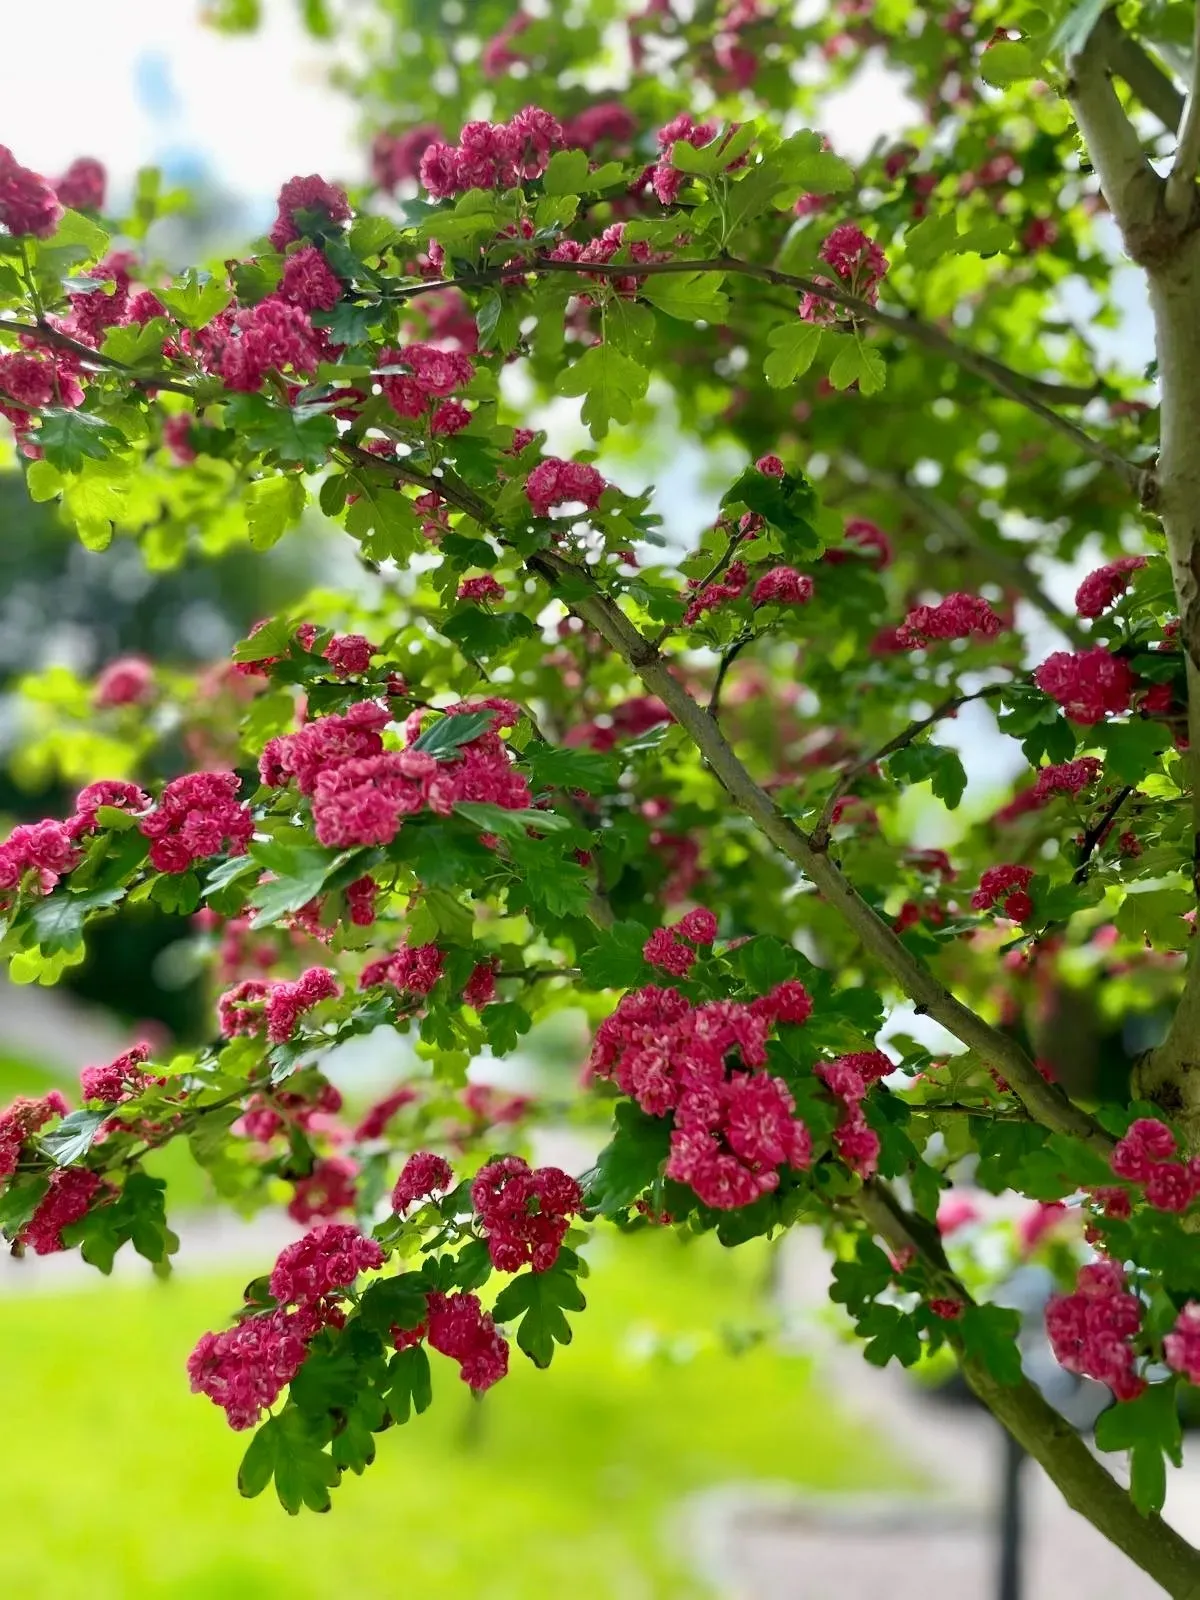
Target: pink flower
(1040, 1219)
(396, 158)
(1065, 777)
(1100, 588)
(245, 1369)
(28, 205)
(662, 949)
(480, 589)
(954, 1212)
(269, 337)
(423, 1176)
(301, 198)
(327, 1259)
(82, 185)
(309, 281)
(782, 586)
(449, 418)
(412, 970)
(1088, 684)
(349, 654)
(1089, 1330)
(458, 1327)
(607, 121)
(771, 466)
(374, 1123)
(197, 816)
(871, 540)
(1182, 1344)
(68, 1199)
(287, 1002)
(21, 1121)
(554, 482)
(44, 848)
(1145, 1143)
(329, 1188)
(710, 596)
(177, 438)
(789, 1002)
(958, 616)
(698, 926)
(480, 987)
(125, 682)
(855, 259)
(524, 1213)
(119, 1080)
(1007, 883)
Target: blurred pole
(1011, 1520)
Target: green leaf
(931, 238)
(272, 506)
(284, 1449)
(890, 1334)
(74, 1135)
(136, 342)
(58, 919)
(540, 1299)
(787, 503)
(794, 348)
(610, 383)
(559, 768)
(1008, 62)
(445, 737)
(1132, 749)
(567, 173)
(936, 764)
(1149, 1428)
(299, 876)
(858, 363)
(691, 297)
(258, 1464)
(505, 1026)
(67, 437)
(822, 173)
(615, 961)
(196, 300)
(989, 1335)
(410, 1386)
(510, 824)
(381, 517)
(292, 433)
(371, 235)
(560, 887)
(631, 1162)
(86, 239)
(481, 634)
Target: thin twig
(820, 834)
(727, 660)
(1180, 192)
(1096, 833)
(46, 333)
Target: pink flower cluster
(329, 1188)
(28, 204)
(362, 793)
(667, 180)
(848, 1078)
(309, 281)
(666, 947)
(396, 157)
(1108, 583)
(413, 969)
(1090, 1330)
(120, 1079)
(69, 1198)
(127, 681)
(45, 848)
(431, 375)
(83, 184)
(1065, 777)
(21, 1121)
(709, 596)
(554, 482)
(273, 336)
(1147, 1155)
(375, 1119)
(459, 1327)
(1088, 684)
(492, 155)
(1009, 884)
(327, 1259)
(480, 988)
(524, 1212)
(606, 121)
(1182, 1344)
(782, 586)
(302, 201)
(197, 816)
(869, 538)
(600, 251)
(733, 1130)
(958, 616)
(245, 1369)
(858, 262)
(478, 590)
(273, 1005)
(35, 379)
(422, 1176)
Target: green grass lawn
(115, 1482)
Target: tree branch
(1144, 76)
(1013, 385)
(1044, 1101)
(1131, 186)
(820, 834)
(1180, 192)
(47, 333)
(1084, 1483)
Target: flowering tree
(543, 763)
